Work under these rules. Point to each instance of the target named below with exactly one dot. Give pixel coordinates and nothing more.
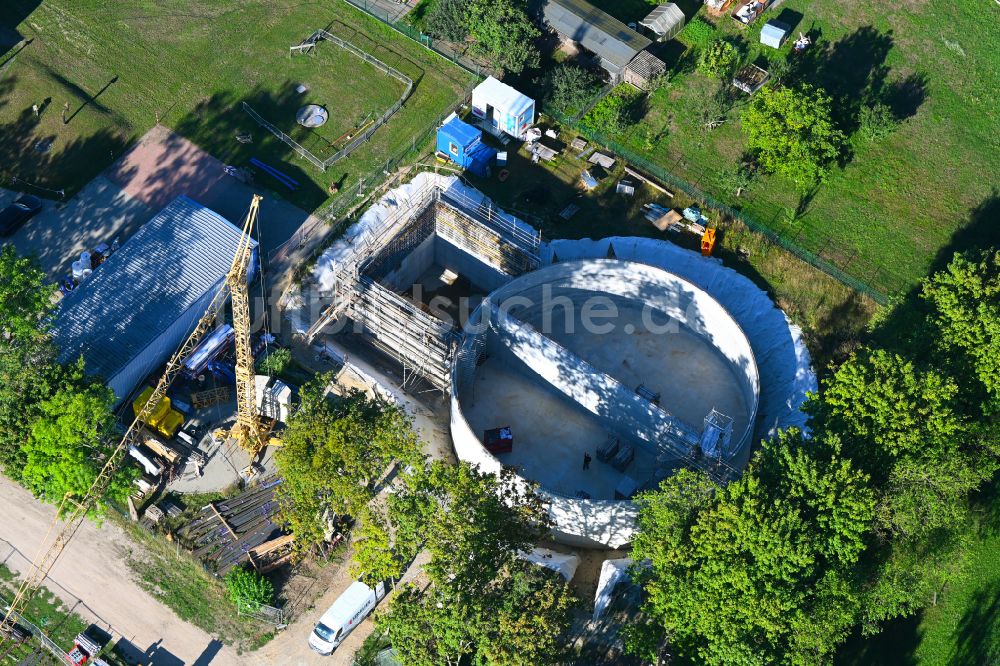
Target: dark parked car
(19, 212)
(14, 632)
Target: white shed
(774, 34)
(665, 21)
(502, 108)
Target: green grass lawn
(963, 629)
(886, 214)
(121, 66)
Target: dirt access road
(94, 579)
(93, 576)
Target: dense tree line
(482, 604)
(57, 427)
(862, 521)
(500, 30)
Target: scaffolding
(422, 344)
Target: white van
(348, 611)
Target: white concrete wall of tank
(648, 285)
(783, 362)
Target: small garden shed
(665, 21)
(774, 34)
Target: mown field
(114, 69)
(886, 213)
(963, 627)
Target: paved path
(93, 569)
(158, 168)
(163, 165)
(99, 213)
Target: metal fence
(263, 122)
(323, 165)
(384, 118)
(787, 243)
(379, 11)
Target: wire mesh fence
(384, 13)
(840, 263)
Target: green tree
(25, 296)
(904, 427)
(503, 33)
(720, 59)
(275, 362)
(447, 20)
(569, 87)
(483, 603)
(70, 442)
(248, 589)
(761, 571)
(615, 112)
(964, 302)
(29, 375)
(335, 449)
(792, 133)
(429, 628)
(527, 620)
(876, 122)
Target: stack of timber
(240, 530)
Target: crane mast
(246, 431)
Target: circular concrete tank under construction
(627, 364)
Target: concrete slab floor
(688, 373)
(551, 434)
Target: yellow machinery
(163, 418)
(246, 431)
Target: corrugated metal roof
(173, 260)
(597, 31)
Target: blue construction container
(463, 144)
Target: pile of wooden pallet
(240, 530)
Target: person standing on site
(586, 461)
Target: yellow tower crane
(246, 431)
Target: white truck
(348, 611)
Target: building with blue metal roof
(137, 308)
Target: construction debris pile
(239, 530)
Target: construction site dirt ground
(94, 579)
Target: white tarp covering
(612, 572)
(564, 565)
